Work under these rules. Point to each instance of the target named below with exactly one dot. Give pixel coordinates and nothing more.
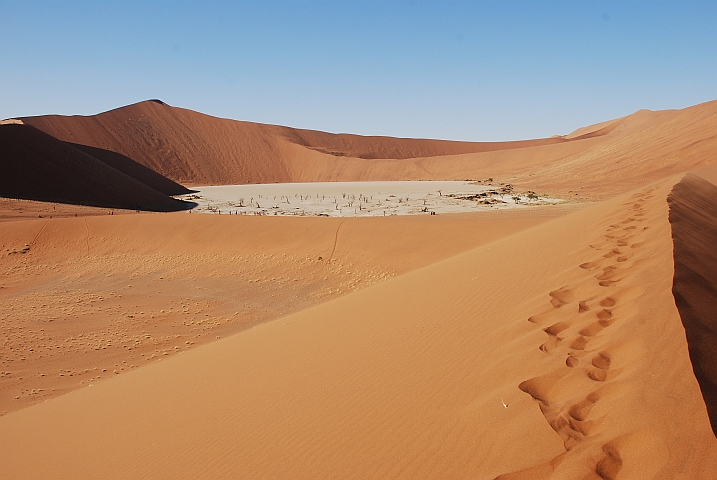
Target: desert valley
(185, 296)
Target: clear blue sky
(458, 70)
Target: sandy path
(556, 353)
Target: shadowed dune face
(693, 216)
(37, 166)
(135, 170)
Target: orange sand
(570, 324)
(571, 342)
(12, 209)
(91, 297)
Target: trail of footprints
(578, 329)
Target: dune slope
(199, 149)
(556, 352)
(37, 166)
(693, 215)
(593, 162)
(84, 299)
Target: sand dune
(556, 352)
(560, 342)
(591, 163)
(37, 166)
(83, 298)
(13, 209)
(602, 127)
(193, 148)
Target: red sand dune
(194, 148)
(593, 162)
(37, 166)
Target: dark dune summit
(37, 166)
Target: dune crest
(597, 334)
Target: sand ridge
(589, 360)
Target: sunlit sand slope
(555, 353)
(13, 209)
(84, 299)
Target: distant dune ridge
(196, 149)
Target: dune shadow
(37, 166)
(693, 218)
(134, 169)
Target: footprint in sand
(553, 332)
(592, 329)
(612, 253)
(608, 302)
(589, 265)
(601, 362)
(561, 296)
(579, 343)
(605, 318)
